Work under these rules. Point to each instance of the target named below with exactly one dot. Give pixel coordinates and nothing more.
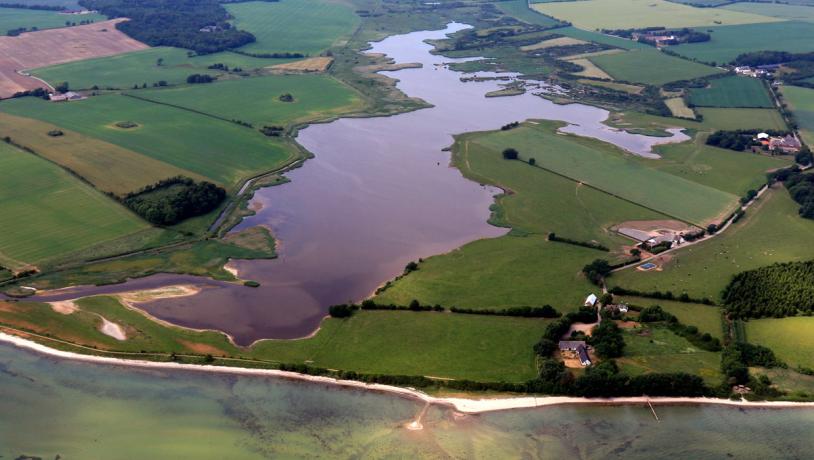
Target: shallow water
(379, 194)
(91, 411)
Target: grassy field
(219, 150)
(47, 212)
(801, 103)
(14, 18)
(589, 69)
(790, 338)
(679, 108)
(628, 14)
(625, 88)
(139, 67)
(596, 37)
(728, 42)
(256, 100)
(771, 232)
(607, 168)
(731, 119)
(732, 92)
(301, 26)
(108, 167)
(657, 349)
(433, 344)
(520, 10)
(705, 317)
(651, 67)
(775, 10)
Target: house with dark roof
(584, 359)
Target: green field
(705, 317)
(775, 10)
(651, 67)
(771, 232)
(256, 100)
(657, 349)
(14, 18)
(48, 213)
(604, 166)
(301, 26)
(628, 14)
(219, 150)
(729, 42)
(732, 92)
(520, 10)
(732, 119)
(801, 103)
(790, 338)
(141, 67)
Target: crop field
(732, 92)
(606, 167)
(222, 151)
(801, 102)
(14, 18)
(597, 37)
(660, 350)
(723, 169)
(629, 14)
(47, 212)
(679, 108)
(706, 318)
(256, 100)
(56, 46)
(789, 338)
(553, 42)
(729, 42)
(775, 10)
(589, 69)
(444, 345)
(651, 67)
(732, 119)
(625, 88)
(108, 167)
(772, 231)
(302, 26)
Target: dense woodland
(172, 200)
(774, 291)
(175, 23)
(799, 185)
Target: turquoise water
(78, 410)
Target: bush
(607, 340)
(597, 270)
(198, 78)
(510, 154)
(55, 133)
(341, 311)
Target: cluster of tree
(759, 58)
(170, 201)
(509, 126)
(347, 310)
(585, 244)
(272, 131)
(738, 357)
(36, 92)
(804, 157)
(778, 290)
(597, 270)
(510, 154)
(546, 311)
(56, 133)
(655, 314)
(285, 55)
(200, 78)
(667, 295)
(732, 140)
(801, 189)
(178, 23)
(684, 35)
(549, 342)
(750, 195)
(607, 340)
(19, 30)
(287, 97)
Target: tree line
(173, 200)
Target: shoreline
(462, 405)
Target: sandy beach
(463, 405)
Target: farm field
(679, 108)
(801, 103)
(775, 10)
(256, 100)
(789, 338)
(651, 67)
(706, 318)
(597, 37)
(732, 119)
(730, 41)
(520, 10)
(589, 69)
(771, 232)
(606, 167)
(630, 89)
(222, 151)
(108, 167)
(732, 92)
(443, 345)
(50, 213)
(660, 350)
(141, 67)
(628, 14)
(56, 46)
(15, 18)
(302, 26)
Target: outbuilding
(590, 301)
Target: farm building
(69, 96)
(577, 349)
(590, 301)
(787, 144)
(584, 359)
(571, 345)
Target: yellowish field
(631, 89)
(628, 14)
(315, 64)
(678, 108)
(554, 42)
(595, 53)
(590, 69)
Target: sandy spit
(463, 405)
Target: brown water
(379, 194)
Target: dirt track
(56, 46)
